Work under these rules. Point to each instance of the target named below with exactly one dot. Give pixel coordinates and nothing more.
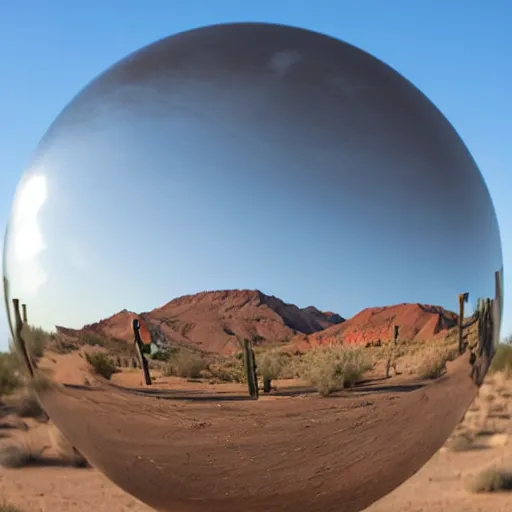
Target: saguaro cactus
(140, 354)
(250, 369)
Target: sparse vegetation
(460, 443)
(502, 361)
(9, 374)
(434, 362)
(330, 369)
(101, 364)
(5, 507)
(29, 406)
(15, 456)
(493, 479)
(36, 340)
(271, 364)
(185, 364)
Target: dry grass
(186, 364)
(28, 406)
(330, 369)
(460, 443)
(9, 374)
(272, 364)
(5, 507)
(434, 361)
(17, 456)
(101, 364)
(493, 479)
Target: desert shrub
(164, 355)
(15, 456)
(36, 340)
(5, 507)
(188, 365)
(491, 480)
(29, 406)
(502, 361)
(271, 364)
(63, 347)
(9, 374)
(333, 368)
(433, 363)
(101, 364)
(460, 443)
(231, 370)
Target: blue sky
(454, 54)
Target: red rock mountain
(216, 321)
(375, 325)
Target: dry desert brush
(332, 368)
(493, 479)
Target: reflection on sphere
(252, 267)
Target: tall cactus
(250, 369)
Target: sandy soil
(438, 486)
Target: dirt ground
(370, 439)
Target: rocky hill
(372, 326)
(216, 321)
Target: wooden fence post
(463, 298)
(20, 342)
(250, 369)
(139, 350)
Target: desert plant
(493, 479)
(433, 363)
(502, 361)
(9, 374)
(188, 365)
(101, 364)
(36, 340)
(270, 364)
(228, 371)
(6, 507)
(29, 407)
(330, 369)
(16, 456)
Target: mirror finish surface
(252, 267)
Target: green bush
(333, 368)
(101, 364)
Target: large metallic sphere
(254, 206)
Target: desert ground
(50, 481)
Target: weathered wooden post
(463, 298)
(20, 342)
(391, 362)
(140, 354)
(250, 368)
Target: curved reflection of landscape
(254, 268)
